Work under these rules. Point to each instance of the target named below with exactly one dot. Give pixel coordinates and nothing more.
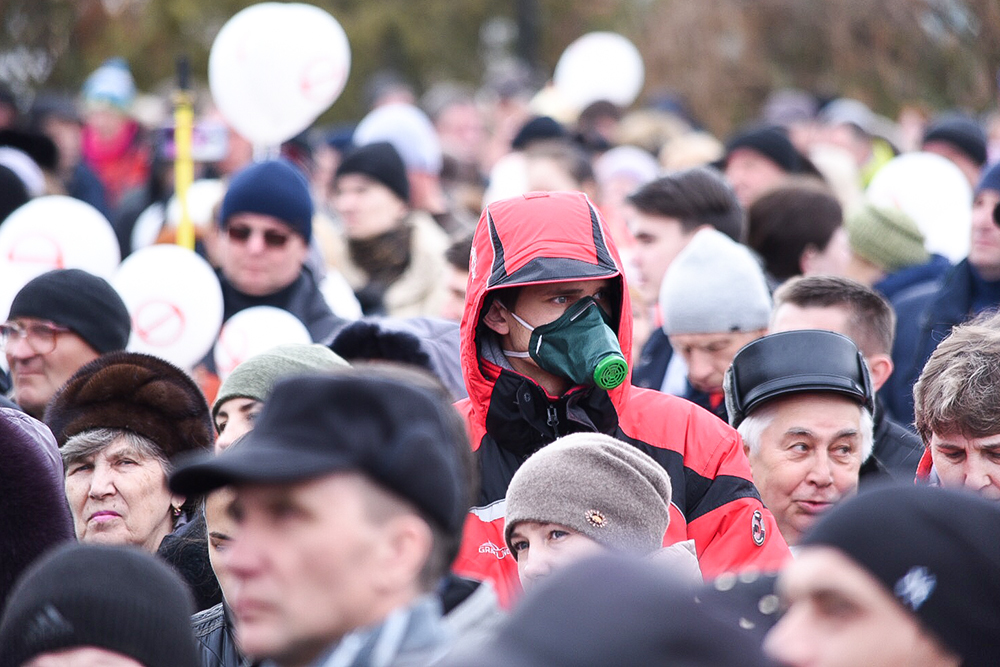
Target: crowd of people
(671, 400)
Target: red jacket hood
(539, 237)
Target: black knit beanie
(963, 133)
(771, 142)
(115, 598)
(84, 303)
(937, 551)
(381, 162)
(276, 188)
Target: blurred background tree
(721, 56)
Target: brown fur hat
(134, 392)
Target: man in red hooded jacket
(545, 336)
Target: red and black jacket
(557, 237)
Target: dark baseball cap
(793, 362)
(400, 435)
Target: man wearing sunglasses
(266, 224)
(58, 322)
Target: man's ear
(880, 368)
(401, 552)
(496, 318)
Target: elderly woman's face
(541, 548)
(118, 496)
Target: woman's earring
(176, 510)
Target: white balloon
(175, 302)
(600, 66)
(54, 232)
(934, 192)
(275, 67)
(255, 330)
(203, 197)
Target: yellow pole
(183, 163)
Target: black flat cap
(793, 362)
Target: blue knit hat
(990, 179)
(274, 187)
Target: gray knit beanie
(256, 377)
(714, 285)
(599, 486)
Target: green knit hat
(256, 377)
(599, 486)
(886, 237)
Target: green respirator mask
(580, 346)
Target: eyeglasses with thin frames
(272, 238)
(40, 336)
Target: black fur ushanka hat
(134, 392)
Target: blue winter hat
(990, 179)
(112, 84)
(274, 187)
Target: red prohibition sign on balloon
(320, 76)
(158, 323)
(36, 249)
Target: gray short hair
(88, 443)
(752, 428)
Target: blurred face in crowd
(454, 305)
(85, 656)
(709, 355)
(970, 463)
(234, 418)
(658, 240)
(984, 249)
(752, 174)
(308, 565)
(541, 548)
(839, 615)
(462, 131)
(260, 254)
(42, 356)
(367, 207)
(118, 495)
(221, 530)
(807, 459)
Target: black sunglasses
(272, 237)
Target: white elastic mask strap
(514, 353)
